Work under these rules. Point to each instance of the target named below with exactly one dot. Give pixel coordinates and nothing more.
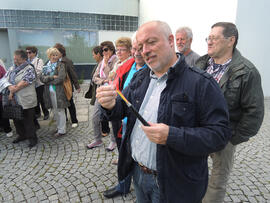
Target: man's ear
(232, 41)
(171, 40)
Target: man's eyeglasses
(105, 49)
(120, 50)
(214, 39)
(29, 52)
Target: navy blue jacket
(193, 106)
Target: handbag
(67, 87)
(13, 111)
(88, 94)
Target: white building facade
(82, 24)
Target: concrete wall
(117, 7)
(254, 27)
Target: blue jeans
(146, 186)
(124, 185)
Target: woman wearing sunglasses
(100, 78)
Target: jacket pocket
(232, 92)
(195, 169)
(182, 110)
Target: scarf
(101, 71)
(10, 79)
(16, 70)
(49, 68)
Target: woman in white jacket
(38, 64)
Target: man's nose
(145, 49)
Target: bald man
(187, 116)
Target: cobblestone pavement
(63, 170)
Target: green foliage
(81, 78)
(78, 50)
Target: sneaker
(111, 146)
(59, 134)
(104, 134)
(74, 125)
(10, 134)
(94, 144)
(115, 162)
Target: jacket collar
(173, 71)
(234, 65)
(178, 68)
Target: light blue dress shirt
(143, 150)
(132, 71)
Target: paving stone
(63, 170)
(86, 199)
(53, 197)
(44, 201)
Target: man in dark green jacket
(240, 82)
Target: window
(78, 44)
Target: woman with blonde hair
(53, 76)
(123, 52)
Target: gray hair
(22, 53)
(187, 30)
(133, 38)
(165, 28)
